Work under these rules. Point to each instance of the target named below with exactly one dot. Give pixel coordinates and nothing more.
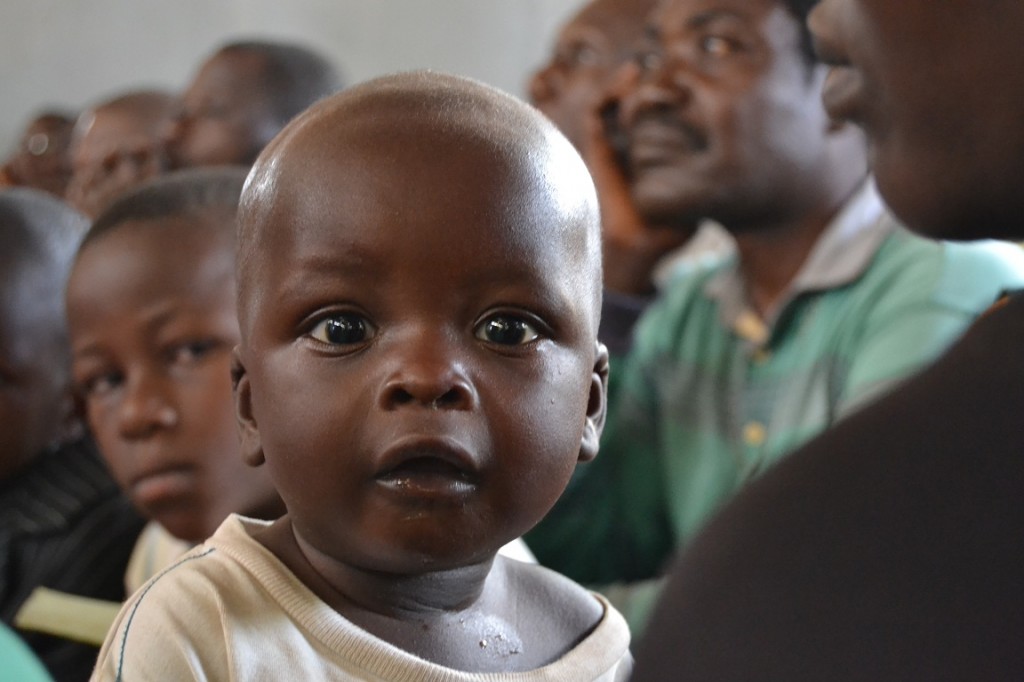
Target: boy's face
(152, 316)
(419, 349)
(588, 51)
(33, 378)
(726, 117)
(224, 117)
(938, 89)
(114, 148)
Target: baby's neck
(494, 616)
(452, 617)
(351, 589)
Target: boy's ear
(252, 449)
(597, 405)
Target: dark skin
(572, 91)
(116, 146)
(724, 119)
(474, 382)
(42, 158)
(152, 315)
(589, 49)
(890, 545)
(225, 116)
(949, 61)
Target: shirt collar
(842, 253)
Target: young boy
(151, 311)
(116, 146)
(64, 524)
(419, 293)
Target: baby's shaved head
(420, 120)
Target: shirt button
(754, 434)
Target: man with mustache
(826, 305)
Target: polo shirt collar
(842, 253)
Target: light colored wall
(72, 52)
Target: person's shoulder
(965, 276)
(991, 259)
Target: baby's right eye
(342, 329)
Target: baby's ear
(252, 449)
(597, 404)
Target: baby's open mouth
(430, 476)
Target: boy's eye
(505, 330)
(342, 330)
(192, 351)
(98, 384)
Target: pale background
(68, 53)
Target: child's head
(241, 97)
(38, 237)
(110, 140)
(419, 294)
(151, 310)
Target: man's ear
(252, 449)
(597, 405)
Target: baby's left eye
(506, 331)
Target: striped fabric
(66, 526)
(711, 395)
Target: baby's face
(152, 317)
(420, 351)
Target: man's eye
(506, 331)
(583, 55)
(342, 330)
(716, 46)
(647, 59)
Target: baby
(151, 311)
(419, 292)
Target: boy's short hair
(179, 193)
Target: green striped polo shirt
(710, 395)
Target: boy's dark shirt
(64, 525)
(889, 548)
